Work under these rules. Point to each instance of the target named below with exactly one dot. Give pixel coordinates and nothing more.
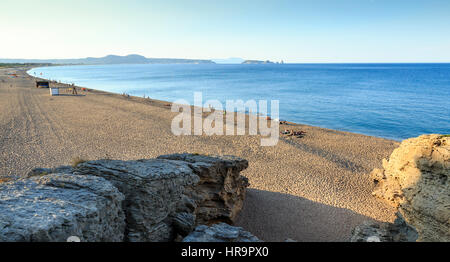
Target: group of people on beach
(288, 132)
(298, 134)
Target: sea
(393, 101)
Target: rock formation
(55, 207)
(220, 193)
(384, 232)
(109, 200)
(220, 233)
(152, 190)
(416, 180)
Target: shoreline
(170, 102)
(312, 189)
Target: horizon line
(236, 57)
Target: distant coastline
(131, 59)
(259, 62)
(108, 60)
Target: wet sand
(314, 188)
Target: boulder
(415, 179)
(220, 193)
(220, 233)
(55, 207)
(384, 232)
(152, 189)
(155, 200)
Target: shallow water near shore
(394, 101)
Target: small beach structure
(54, 91)
(64, 91)
(42, 84)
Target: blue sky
(290, 30)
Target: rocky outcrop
(150, 200)
(220, 233)
(416, 180)
(152, 190)
(384, 232)
(220, 193)
(55, 207)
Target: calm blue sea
(395, 101)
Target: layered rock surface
(384, 232)
(152, 190)
(416, 180)
(55, 207)
(109, 200)
(220, 193)
(220, 233)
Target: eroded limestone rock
(154, 200)
(220, 233)
(220, 193)
(152, 190)
(416, 180)
(54, 207)
(384, 232)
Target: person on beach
(74, 90)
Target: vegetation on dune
(77, 161)
(4, 180)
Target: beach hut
(42, 84)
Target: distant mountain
(114, 59)
(110, 59)
(257, 62)
(232, 60)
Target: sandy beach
(316, 188)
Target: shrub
(77, 161)
(4, 180)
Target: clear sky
(292, 30)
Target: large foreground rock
(152, 200)
(57, 206)
(220, 193)
(152, 190)
(384, 232)
(220, 233)
(416, 180)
